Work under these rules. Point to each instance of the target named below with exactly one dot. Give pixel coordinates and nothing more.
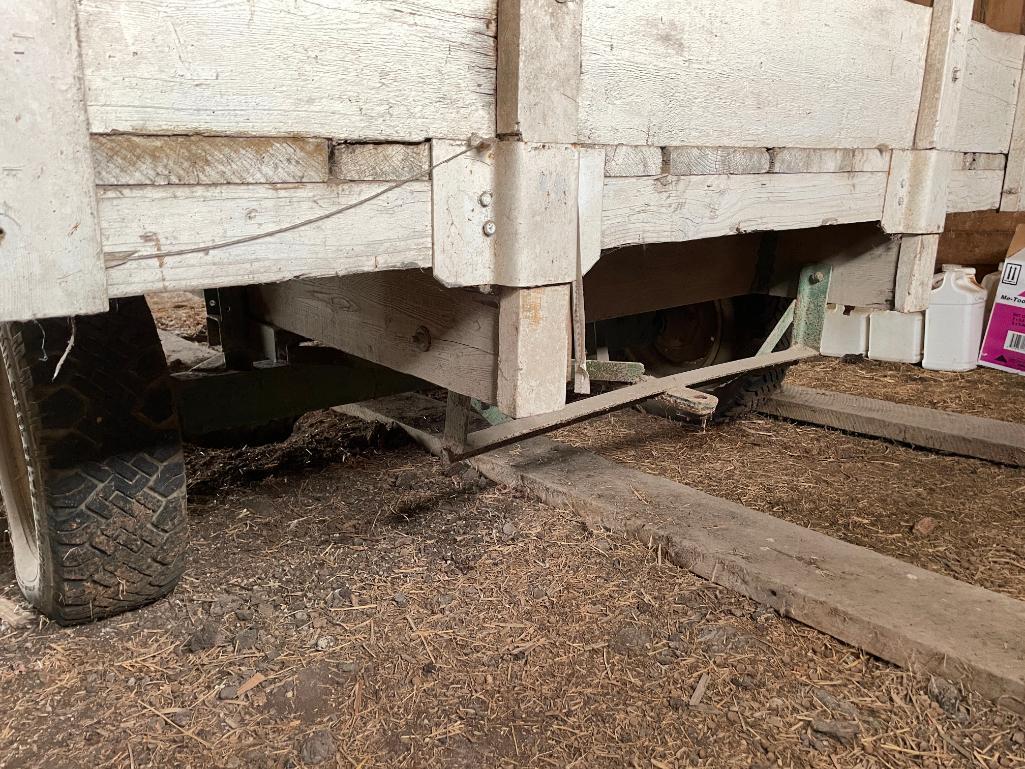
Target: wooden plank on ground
(961, 434)
(120, 159)
(923, 621)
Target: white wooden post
(49, 234)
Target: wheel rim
(16, 482)
(688, 338)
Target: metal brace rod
(516, 430)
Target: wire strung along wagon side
(453, 188)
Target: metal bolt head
(422, 339)
(816, 278)
(489, 228)
(485, 199)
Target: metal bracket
(810, 307)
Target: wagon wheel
(91, 468)
(699, 335)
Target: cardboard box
(1003, 345)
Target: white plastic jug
(844, 332)
(954, 320)
(991, 283)
(895, 336)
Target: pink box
(1003, 346)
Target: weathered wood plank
(404, 320)
(974, 191)
(862, 258)
(990, 91)
(1014, 178)
(979, 161)
(961, 434)
(379, 162)
(49, 233)
(916, 191)
(691, 207)
(633, 160)
(391, 232)
(754, 73)
(915, 270)
(921, 620)
(358, 71)
(533, 348)
(710, 161)
(121, 159)
(639, 279)
(802, 160)
(945, 68)
(539, 70)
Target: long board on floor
(961, 434)
(921, 620)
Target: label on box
(1004, 345)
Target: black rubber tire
(95, 499)
(757, 316)
(744, 324)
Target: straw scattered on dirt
(984, 392)
(180, 313)
(377, 611)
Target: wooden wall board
(980, 238)
(711, 161)
(404, 320)
(400, 71)
(644, 278)
(863, 260)
(633, 160)
(756, 73)
(49, 233)
(391, 232)
(980, 161)
(660, 210)
(802, 160)
(139, 160)
(990, 91)
(380, 162)
(974, 191)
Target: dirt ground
(868, 492)
(350, 602)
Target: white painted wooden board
(391, 232)
(974, 191)
(49, 235)
(915, 269)
(916, 191)
(633, 160)
(404, 320)
(657, 210)
(380, 162)
(1014, 178)
(943, 84)
(123, 159)
(343, 69)
(760, 73)
(990, 90)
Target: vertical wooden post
(917, 189)
(49, 231)
(533, 347)
(915, 268)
